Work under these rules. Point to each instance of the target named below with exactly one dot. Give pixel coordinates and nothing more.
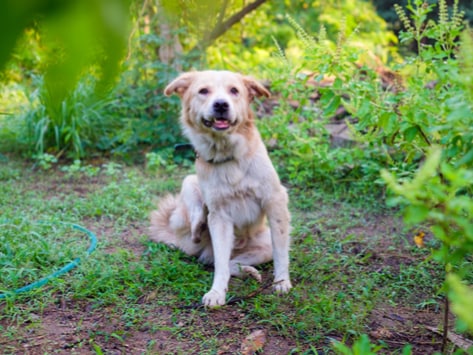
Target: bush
(395, 115)
(417, 126)
(71, 127)
(150, 119)
(134, 116)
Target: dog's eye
(203, 91)
(234, 91)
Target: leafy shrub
(441, 194)
(427, 102)
(70, 128)
(395, 115)
(150, 119)
(132, 117)
(363, 346)
(440, 121)
(309, 100)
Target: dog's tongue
(221, 124)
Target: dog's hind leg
(191, 197)
(257, 251)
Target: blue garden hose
(63, 270)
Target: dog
(233, 213)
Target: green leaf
(415, 214)
(411, 133)
(461, 297)
(467, 159)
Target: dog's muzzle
(219, 119)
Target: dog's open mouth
(219, 124)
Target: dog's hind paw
(213, 298)
(282, 286)
(251, 271)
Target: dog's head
(215, 100)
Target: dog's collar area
(216, 162)
(186, 146)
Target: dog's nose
(220, 106)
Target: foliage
(386, 9)
(302, 141)
(69, 128)
(149, 119)
(363, 346)
(134, 115)
(441, 191)
(440, 194)
(45, 161)
(460, 296)
(77, 168)
(78, 33)
(394, 115)
(250, 46)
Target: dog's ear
(180, 84)
(255, 88)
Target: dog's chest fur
(228, 188)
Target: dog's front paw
(213, 298)
(282, 286)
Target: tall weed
(69, 128)
(394, 114)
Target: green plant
(441, 195)
(362, 346)
(76, 168)
(441, 191)
(45, 161)
(70, 128)
(422, 108)
(77, 35)
(150, 119)
(298, 128)
(154, 161)
(393, 115)
(112, 168)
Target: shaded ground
(77, 327)
(66, 328)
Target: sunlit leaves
(461, 296)
(79, 34)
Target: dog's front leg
(221, 234)
(279, 222)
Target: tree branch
(222, 12)
(223, 27)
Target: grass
(348, 259)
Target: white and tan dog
(222, 213)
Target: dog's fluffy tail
(161, 230)
(170, 225)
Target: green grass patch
(348, 257)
